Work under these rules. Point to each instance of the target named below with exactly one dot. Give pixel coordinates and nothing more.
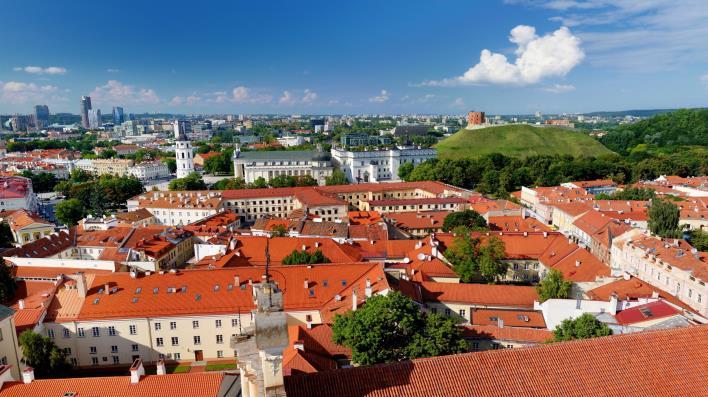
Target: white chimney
(545, 234)
(299, 345)
(354, 300)
(304, 247)
(21, 304)
(232, 244)
(577, 263)
(500, 322)
(161, 367)
(317, 244)
(28, 375)
(307, 283)
(136, 371)
(81, 285)
(106, 289)
(613, 304)
(368, 283)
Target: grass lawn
(220, 366)
(519, 140)
(179, 369)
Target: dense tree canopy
(193, 181)
(474, 261)
(664, 218)
(699, 239)
(40, 353)
(392, 328)
(42, 182)
(470, 219)
(99, 194)
(70, 211)
(6, 238)
(680, 128)
(338, 178)
(8, 286)
(298, 257)
(583, 327)
(553, 286)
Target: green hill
(519, 140)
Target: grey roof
(5, 312)
(287, 155)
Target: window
(219, 354)
(197, 340)
(447, 312)
(50, 333)
(159, 342)
(94, 360)
(80, 332)
(67, 351)
(116, 360)
(699, 298)
(178, 356)
(66, 333)
(114, 349)
(92, 349)
(219, 339)
(173, 325)
(158, 326)
(234, 322)
(133, 330)
(475, 346)
(434, 310)
(195, 324)
(112, 331)
(134, 348)
(462, 312)
(175, 341)
(218, 323)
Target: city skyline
(504, 57)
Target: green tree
(583, 327)
(553, 286)
(70, 211)
(282, 181)
(171, 164)
(230, 184)
(193, 181)
(664, 218)
(392, 328)
(404, 171)
(305, 258)
(462, 254)
(305, 180)
(259, 183)
(338, 178)
(42, 182)
(8, 286)
(490, 262)
(699, 240)
(278, 231)
(40, 353)
(468, 218)
(6, 238)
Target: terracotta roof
(657, 363)
(417, 220)
(511, 318)
(483, 207)
(595, 183)
(428, 186)
(364, 217)
(14, 187)
(215, 291)
(574, 208)
(36, 296)
(417, 201)
(592, 221)
(677, 253)
(580, 266)
(204, 384)
(318, 351)
(372, 232)
(632, 289)
(646, 312)
(480, 294)
(252, 248)
(516, 224)
(134, 216)
(523, 335)
(48, 272)
(44, 247)
(22, 218)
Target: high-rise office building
(41, 116)
(118, 116)
(182, 127)
(94, 118)
(85, 107)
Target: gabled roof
(646, 312)
(204, 384)
(480, 294)
(511, 318)
(253, 248)
(652, 364)
(318, 352)
(511, 334)
(45, 246)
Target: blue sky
(447, 56)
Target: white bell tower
(183, 154)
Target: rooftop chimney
(21, 304)
(161, 367)
(613, 304)
(500, 322)
(106, 289)
(136, 371)
(577, 263)
(354, 300)
(299, 345)
(28, 375)
(81, 284)
(307, 283)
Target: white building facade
(149, 170)
(379, 165)
(184, 156)
(270, 164)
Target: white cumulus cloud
(289, 99)
(20, 92)
(241, 94)
(537, 57)
(41, 70)
(114, 92)
(381, 98)
(309, 97)
(560, 88)
(186, 100)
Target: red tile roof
(653, 364)
(511, 318)
(417, 220)
(418, 201)
(516, 224)
(319, 351)
(522, 335)
(44, 247)
(480, 294)
(252, 248)
(632, 289)
(646, 312)
(205, 384)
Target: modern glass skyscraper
(118, 117)
(41, 116)
(85, 107)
